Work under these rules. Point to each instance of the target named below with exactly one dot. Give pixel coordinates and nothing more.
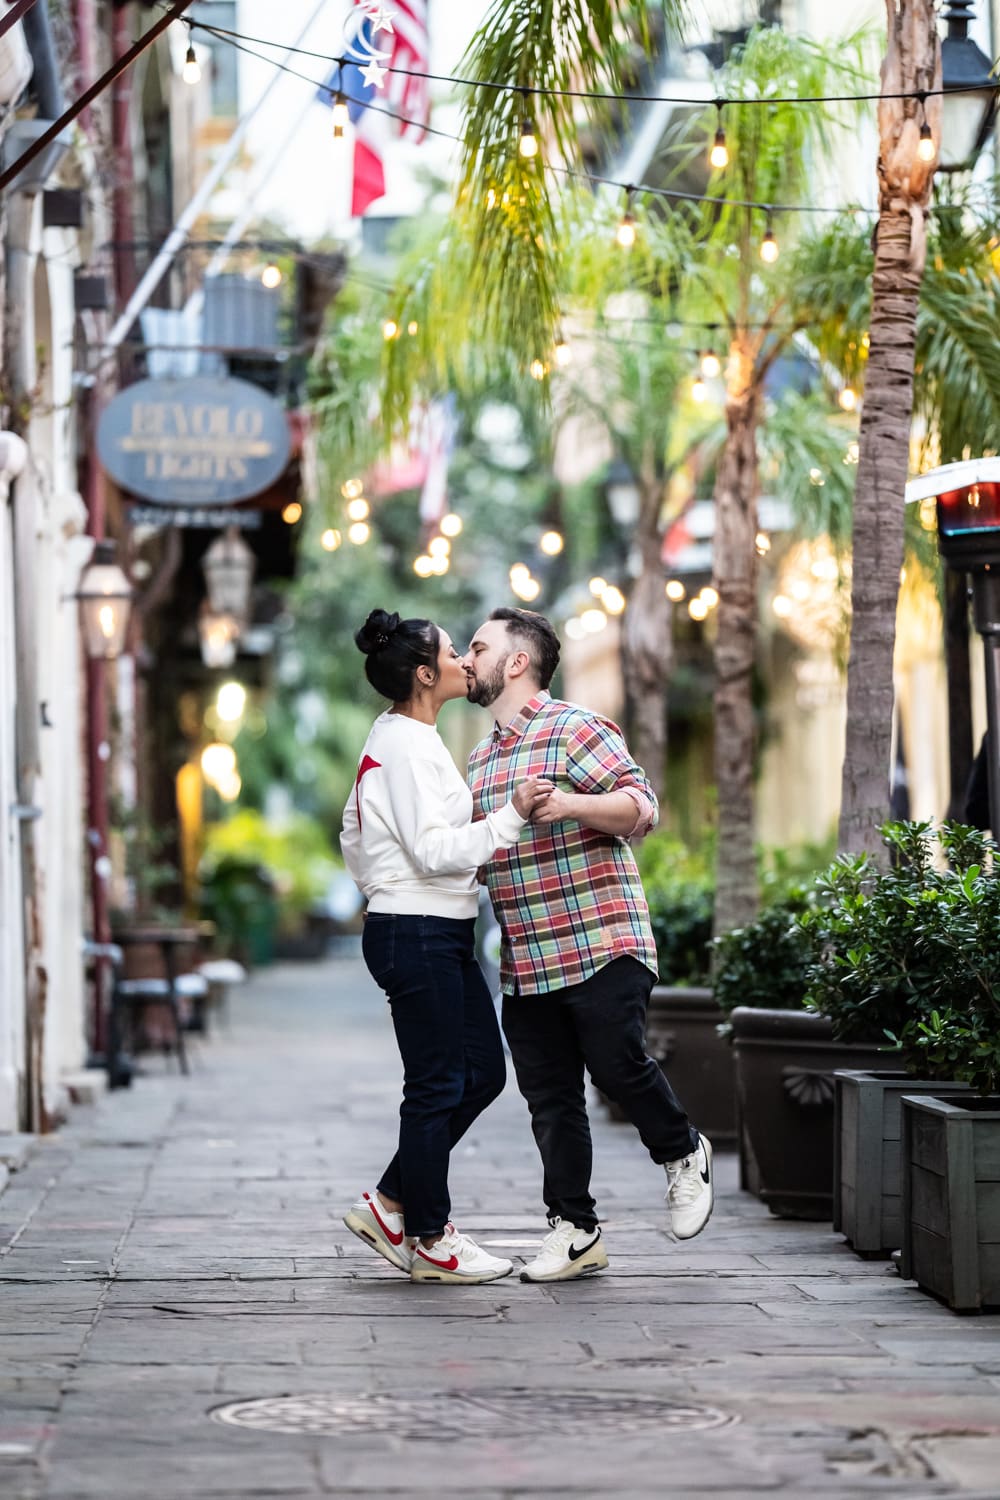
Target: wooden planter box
(951, 1198)
(682, 1036)
(867, 1175)
(785, 1062)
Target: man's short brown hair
(532, 633)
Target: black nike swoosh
(706, 1177)
(575, 1254)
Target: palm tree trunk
(735, 570)
(912, 61)
(647, 646)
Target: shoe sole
(364, 1231)
(587, 1265)
(694, 1232)
(455, 1278)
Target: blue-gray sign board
(207, 440)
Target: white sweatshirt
(408, 838)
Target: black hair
(534, 633)
(394, 649)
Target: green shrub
(297, 859)
(766, 962)
(912, 954)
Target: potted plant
(891, 949)
(785, 1058)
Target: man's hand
(557, 807)
(530, 793)
(613, 813)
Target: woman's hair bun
(377, 631)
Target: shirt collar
(519, 723)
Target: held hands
(531, 794)
(555, 808)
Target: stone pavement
(177, 1251)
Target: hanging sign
(201, 441)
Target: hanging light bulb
(292, 513)
(191, 71)
(625, 234)
(551, 543)
(711, 364)
(271, 276)
(341, 114)
(423, 565)
(390, 329)
(674, 590)
(848, 398)
(769, 245)
(352, 488)
(562, 353)
(538, 369)
(527, 146)
(331, 539)
(719, 154)
(451, 525)
(926, 148)
(357, 510)
(699, 390)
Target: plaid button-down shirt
(568, 899)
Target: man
(578, 959)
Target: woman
(409, 842)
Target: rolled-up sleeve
(598, 760)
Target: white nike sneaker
(381, 1229)
(690, 1194)
(567, 1252)
(455, 1258)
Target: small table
(150, 991)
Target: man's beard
(488, 689)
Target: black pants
(598, 1025)
(449, 1040)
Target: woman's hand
(531, 793)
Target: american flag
(409, 97)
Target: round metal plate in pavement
(445, 1415)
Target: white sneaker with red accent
(456, 1258)
(383, 1230)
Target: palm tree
(956, 389)
(912, 62)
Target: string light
(719, 154)
(239, 39)
(699, 390)
(551, 543)
(451, 525)
(331, 539)
(423, 565)
(271, 276)
(191, 71)
(439, 546)
(593, 620)
(762, 543)
(562, 353)
(358, 510)
(626, 232)
(527, 146)
(597, 586)
(359, 533)
(613, 600)
(412, 327)
(926, 149)
(352, 488)
(769, 245)
(711, 364)
(292, 513)
(848, 398)
(440, 565)
(538, 369)
(341, 114)
(674, 590)
(390, 329)
(698, 609)
(709, 596)
(518, 572)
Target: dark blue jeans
(448, 1037)
(599, 1025)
